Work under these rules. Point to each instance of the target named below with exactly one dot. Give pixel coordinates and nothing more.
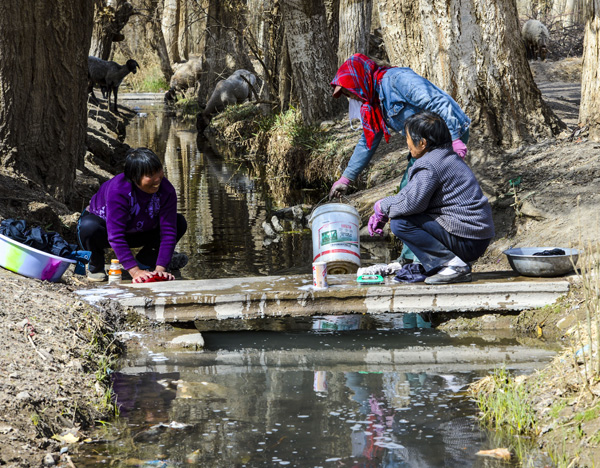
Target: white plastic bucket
(335, 237)
(31, 262)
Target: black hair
(141, 162)
(429, 126)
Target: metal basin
(525, 263)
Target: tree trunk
(110, 18)
(271, 40)
(224, 50)
(170, 28)
(184, 31)
(355, 26)
(285, 78)
(589, 111)
(43, 93)
(332, 15)
(569, 13)
(313, 59)
(473, 50)
(156, 38)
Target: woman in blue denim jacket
(386, 97)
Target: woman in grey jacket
(383, 98)
(441, 214)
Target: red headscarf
(360, 75)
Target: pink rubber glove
(459, 148)
(339, 187)
(377, 221)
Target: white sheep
(108, 75)
(186, 76)
(536, 38)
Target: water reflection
(223, 203)
(322, 398)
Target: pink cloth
(459, 148)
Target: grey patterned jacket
(442, 186)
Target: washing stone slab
(293, 295)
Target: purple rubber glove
(339, 187)
(377, 221)
(459, 148)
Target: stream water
(335, 391)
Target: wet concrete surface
(294, 295)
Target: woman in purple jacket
(137, 208)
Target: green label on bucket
(329, 237)
(337, 236)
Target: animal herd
(239, 86)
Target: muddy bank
(56, 353)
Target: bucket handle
(349, 202)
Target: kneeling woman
(137, 208)
(441, 214)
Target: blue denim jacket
(403, 93)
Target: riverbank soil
(55, 351)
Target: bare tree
(43, 96)
(589, 111)
(473, 50)
(312, 58)
(156, 40)
(569, 13)
(170, 28)
(184, 31)
(110, 17)
(354, 28)
(225, 48)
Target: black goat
(108, 75)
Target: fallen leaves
(500, 453)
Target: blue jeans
(432, 244)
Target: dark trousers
(432, 244)
(93, 236)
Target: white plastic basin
(31, 262)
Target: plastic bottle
(114, 272)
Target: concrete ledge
(276, 296)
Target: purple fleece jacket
(126, 210)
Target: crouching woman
(137, 208)
(441, 214)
